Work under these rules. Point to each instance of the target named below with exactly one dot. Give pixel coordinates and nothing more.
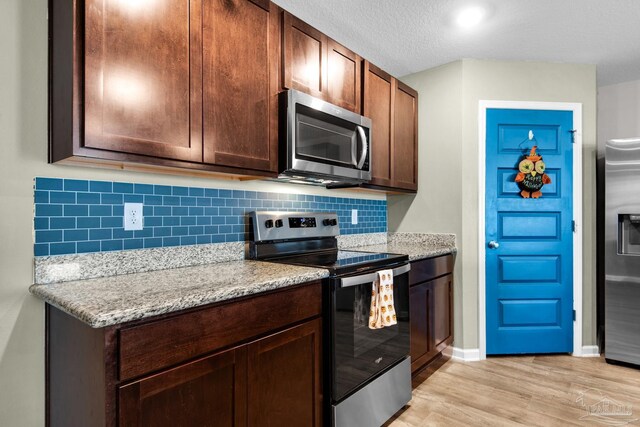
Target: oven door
(358, 353)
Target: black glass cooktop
(342, 262)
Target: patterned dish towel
(382, 312)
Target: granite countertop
(112, 300)
(416, 251)
(416, 245)
(105, 289)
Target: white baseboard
(473, 354)
(589, 351)
(465, 354)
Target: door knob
(494, 245)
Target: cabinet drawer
(151, 346)
(428, 269)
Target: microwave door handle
(369, 278)
(365, 147)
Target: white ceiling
(406, 36)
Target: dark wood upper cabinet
(393, 109)
(343, 76)
(304, 57)
(405, 137)
(142, 78)
(315, 64)
(241, 82)
(184, 84)
(193, 84)
(378, 89)
(284, 375)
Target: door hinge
(573, 225)
(574, 315)
(573, 135)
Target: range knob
(329, 221)
(268, 223)
(278, 223)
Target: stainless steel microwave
(321, 143)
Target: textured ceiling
(406, 36)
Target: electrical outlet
(133, 218)
(354, 216)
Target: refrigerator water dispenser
(629, 234)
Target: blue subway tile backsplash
(79, 216)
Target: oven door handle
(369, 278)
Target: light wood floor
(553, 390)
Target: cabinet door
(419, 314)
(285, 379)
(241, 49)
(343, 77)
(430, 305)
(207, 392)
(441, 313)
(142, 78)
(405, 141)
(305, 57)
(377, 106)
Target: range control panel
(302, 222)
(271, 225)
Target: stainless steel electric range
(367, 371)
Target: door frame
(576, 108)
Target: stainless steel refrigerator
(622, 251)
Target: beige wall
(437, 207)
(23, 144)
(492, 80)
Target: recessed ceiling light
(470, 17)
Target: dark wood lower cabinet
(284, 375)
(266, 378)
(274, 381)
(430, 304)
(419, 314)
(442, 291)
(208, 392)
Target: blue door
(529, 236)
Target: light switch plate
(133, 218)
(354, 216)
